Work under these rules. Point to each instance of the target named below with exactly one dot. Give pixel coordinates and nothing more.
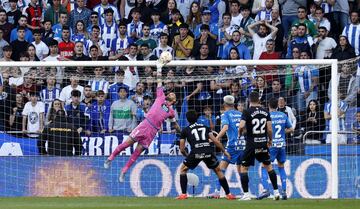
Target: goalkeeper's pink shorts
(144, 133)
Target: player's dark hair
(254, 97)
(273, 103)
(192, 116)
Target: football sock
(264, 178)
(135, 155)
(273, 179)
(283, 178)
(244, 182)
(224, 185)
(118, 149)
(218, 184)
(183, 183)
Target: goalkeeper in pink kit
(145, 132)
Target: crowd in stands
(100, 99)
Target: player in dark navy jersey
(200, 137)
(257, 123)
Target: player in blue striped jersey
(235, 145)
(281, 125)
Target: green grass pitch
(171, 203)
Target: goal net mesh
(44, 154)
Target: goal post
(205, 63)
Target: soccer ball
(165, 57)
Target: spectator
(289, 9)
(34, 15)
(42, 50)
(131, 73)
(145, 39)
(205, 38)
(114, 88)
(283, 107)
(235, 70)
(122, 113)
(352, 32)
(33, 120)
(94, 20)
(58, 28)
(22, 24)
(264, 13)
(16, 78)
(157, 27)
(2, 43)
(15, 119)
(109, 29)
(204, 54)
(344, 50)
(134, 28)
(235, 12)
(80, 33)
(50, 92)
(324, 44)
(99, 112)
(311, 29)
(194, 17)
(55, 106)
(77, 112)
(145, 54)
(66, 95)
(206, 20)
(174, 25)
(79, 53)
(262, 88)
(356, 128)
(66, 46)
(146, 11)
(80, 13)
(105, 5)
(342, 108)
(98, 81)
(207, 118)
(347, 86)
(302, 41)
(308, 81)
(183, 43)
(217, 9)
(53, 52)
(235, 42)
(14, 13)
(19, 44)
(314, 121)
(167, 16)
(31, 52)
(88, 96)
(261, 36)
(340, 14)
(53, 12)
(276, 91)
(5, 25)
(62, 138)
(267, 55)
(224, 33)
(95, 40)
(6, 99)
(247, 20)
(276, 22)
(125, 7)
(142, 110)
(47, 33)
(163, 46)
(320, 20)
(120, 45)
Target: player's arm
(289, 130)
(182, 148)
(269, 132)
(218, 145)
(158, 76)
(242, 127)
(222, 132)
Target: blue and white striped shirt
(109, 33)
(343, 108)
(352, 32)
(97, 85)
(264, 15)
(48, 96)
(100, 10)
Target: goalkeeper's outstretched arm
(158, 76)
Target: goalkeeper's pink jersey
(160, 110)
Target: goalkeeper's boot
(215, 195)
(107, 164)
(276, 195)
(284, 195)
(245, 197)
(182, 197)
(230, 196)
(263, 195)
(122, 177)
